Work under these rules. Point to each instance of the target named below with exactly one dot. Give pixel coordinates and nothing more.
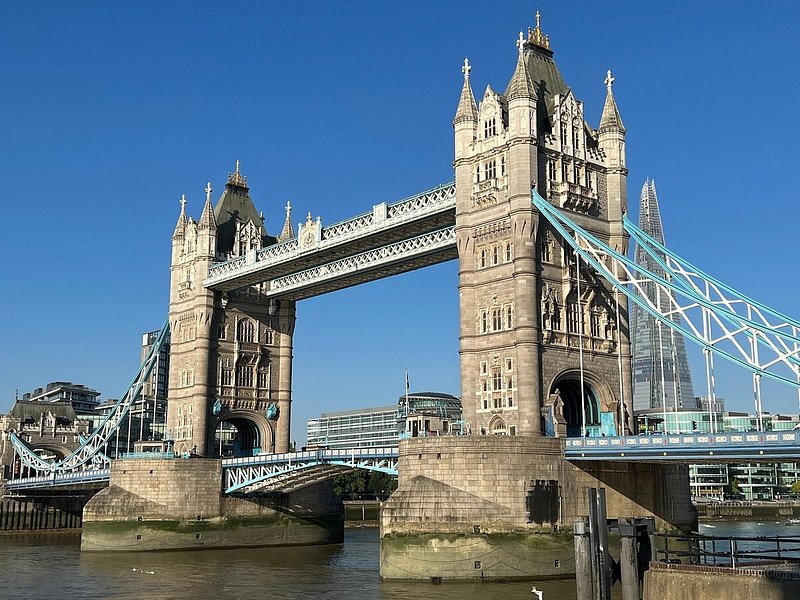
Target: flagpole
(407, 384)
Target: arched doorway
(238, 435)
(567, 398)
(497, 426)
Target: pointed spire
(610, 120)
(288, 230)
(467, 109)
(181, 224)
(207, 220)
(521, 84)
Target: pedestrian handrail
(730, 551)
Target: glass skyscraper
(656, 346)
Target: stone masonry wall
(452, 484)
(159, 489)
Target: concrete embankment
(688, 582)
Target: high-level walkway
(393, 238)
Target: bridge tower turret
(539, 350)
(231, 354)
(191, 310)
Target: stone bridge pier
(478, 507)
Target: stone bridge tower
(231, 354)
(537, 340)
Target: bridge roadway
(394, 238)
(266, 473)
(737, 446)
(262, 473)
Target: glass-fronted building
(746, 481)
(360, 428)
(415, 415)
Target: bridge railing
(726, 551)
(320, 455)
(431, 201)
(699, 445)
(59, 479)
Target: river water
(52, 567)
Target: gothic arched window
(245, 331)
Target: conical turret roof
(610, 119)
(521, 84)
(180, 226)
(207, 220)
(287, 233)
(467, 108)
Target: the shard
(656, 347)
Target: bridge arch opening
(237, 435)
(568, 405)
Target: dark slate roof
(547, 81)
(234, 205)
(34, 410)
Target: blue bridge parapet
(751, 446)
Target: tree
(733, 488)
(381, 484)
(795, 489)
(350, 486)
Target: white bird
(539, 593)
(150, 572)
(133, 569)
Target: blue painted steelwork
(60, 479)
(293, 470)
(740, 332)
(751, 446)
(89, 453)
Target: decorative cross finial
(609, 80)
(520, 42)
(288, 208)
(208, 192)
(237, 166)
(466, 68)
(538, 20)
(183, 202)
(308, 217)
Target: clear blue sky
(112, 110)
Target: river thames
(52, 567)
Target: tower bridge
(535, 217)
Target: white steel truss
(383, 218)
(293, 470)
(385, 256)
(722, 321)
(89, 455)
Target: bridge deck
(746, 446)
(385, 227)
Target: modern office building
(359, 428)
(661, 374)
(415, 415)
(81, 398)
(748, 481)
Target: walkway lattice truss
(89, 455)
(721, 320)
(294, 470)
